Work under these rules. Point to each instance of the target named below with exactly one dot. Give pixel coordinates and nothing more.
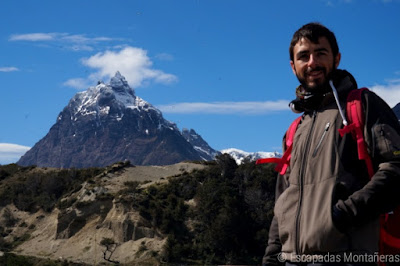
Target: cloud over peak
(132, 62)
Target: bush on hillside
(229, 220)
(31, 190)
(218, 215)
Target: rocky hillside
(79, 220)
(214, 213)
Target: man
(327, 209)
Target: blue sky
(220, 67)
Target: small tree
(9, 218)
(110, 246)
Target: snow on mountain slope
(108, 123)
(240, 155)
(199, 144)
(111, 100)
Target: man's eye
(303, 57)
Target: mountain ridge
(240, 156)
(109, 123)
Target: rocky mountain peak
(119, 84)
(107, 100)
(109, 123)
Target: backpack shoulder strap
(356, 119)
(283, 162)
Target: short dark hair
(313, 31)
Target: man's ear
(337, 59)
(293, 67)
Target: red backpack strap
(389, 242)
(389, 236)
(355, 115)
(283, 162)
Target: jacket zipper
(373, 142)
(321, 139)
(301, 181)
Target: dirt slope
(75, 233)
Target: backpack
(389, 240)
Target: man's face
(313, 62)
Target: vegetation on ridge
(218, 215)
(31, 188)
(226, 220)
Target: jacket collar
(342, 80)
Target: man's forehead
(305, 44)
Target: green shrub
(228, 224)
(31, 190)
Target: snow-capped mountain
(109, 123)
(240, 155)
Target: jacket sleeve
(382, 193)
(274, 246)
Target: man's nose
(312, 62)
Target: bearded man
(327, 208)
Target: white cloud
(10, 153)
(8, 69)
(132, 62)
(80, 38)
(240, 108)
(33, 37)
(389, 92)
(75, 42)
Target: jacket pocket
(319, 143)
(317, 231)
(386, 141)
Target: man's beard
(323, 86)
